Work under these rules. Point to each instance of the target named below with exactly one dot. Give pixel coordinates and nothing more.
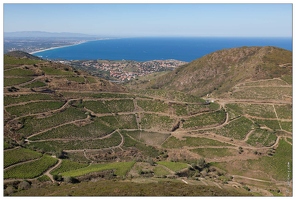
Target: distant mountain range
(44, 34)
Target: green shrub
(9, 191)
(24, 185)
(71, 179)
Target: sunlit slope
(72, 127)
(218, 72)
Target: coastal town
(113, 70)
(124, 70)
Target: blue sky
(139, 20)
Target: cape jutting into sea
(144, 49)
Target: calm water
(143, 49)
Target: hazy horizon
(152, 20)
(106, 36)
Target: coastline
(58, 47)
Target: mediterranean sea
(144, 49)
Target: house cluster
(124, 70)
(122, 76)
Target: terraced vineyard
(70, 126)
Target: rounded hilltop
(219, 71)
(22, 54)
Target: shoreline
(51, 48)
(58, 47)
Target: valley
(74, 128)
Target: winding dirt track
(51, 169)
(253, 179)
(180, 133)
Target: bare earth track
(180, 133)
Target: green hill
(74, 128)
(22, 55)
(218, 72)
(27, 73)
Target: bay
(144, 49)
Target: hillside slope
(219, 71)
(22, 55)
(23, 69)
(72, 127)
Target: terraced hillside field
(71, 127)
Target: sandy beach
(81, 42)
(51, 48)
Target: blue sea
(144, 49)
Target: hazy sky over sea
(139, 20)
